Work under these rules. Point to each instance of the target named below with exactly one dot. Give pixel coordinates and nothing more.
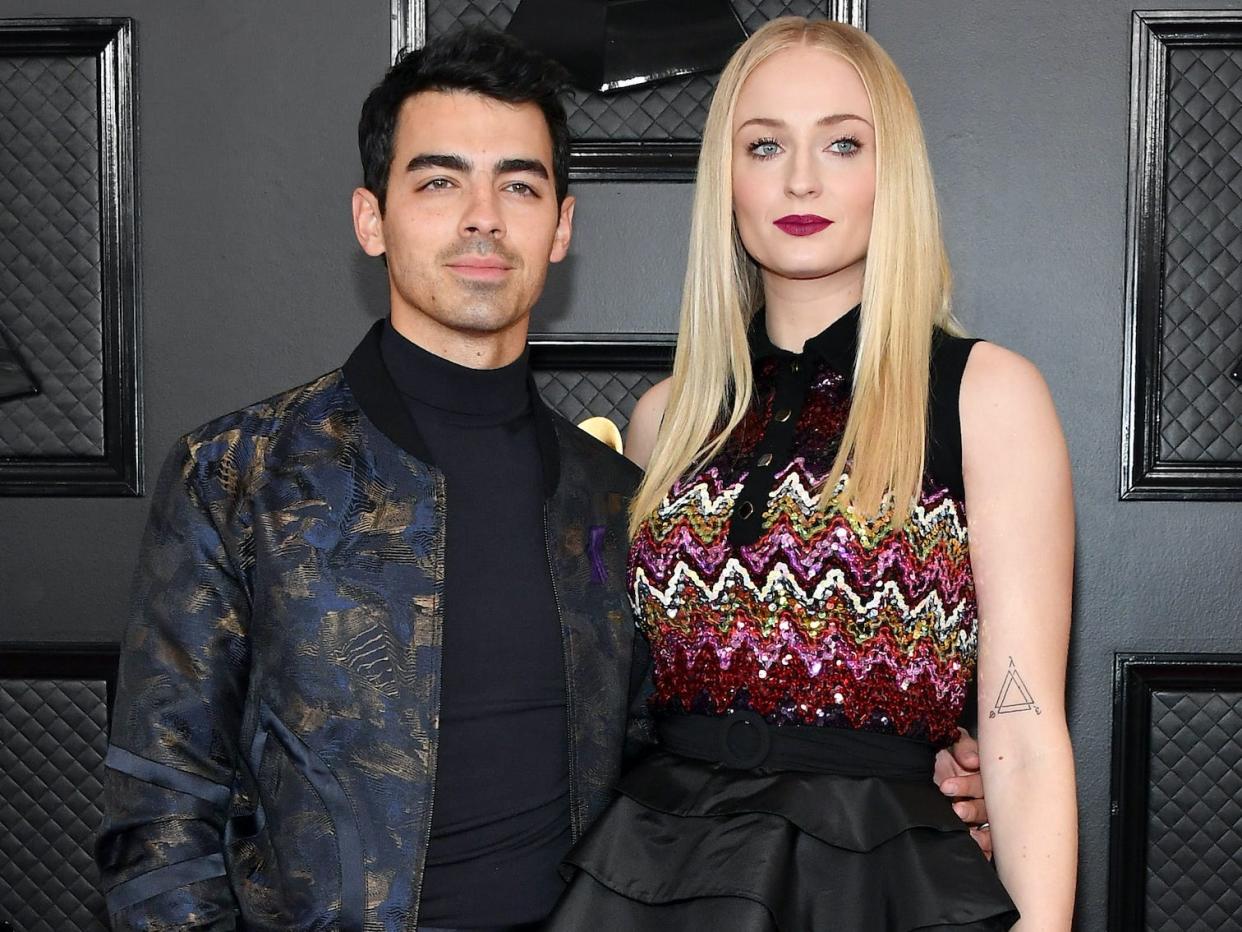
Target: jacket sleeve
(175, 729)
(640, 732)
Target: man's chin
(482, 321)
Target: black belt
(524, 927)
(746, 740)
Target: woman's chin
(808, 271)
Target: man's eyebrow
(829, 120)
(437, 160)
(514, 166)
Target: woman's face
(804, 164)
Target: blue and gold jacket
(273, 749)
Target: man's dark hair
(474, 59)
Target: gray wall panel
(251, 280)
(626, 265)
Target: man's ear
(564, 230)
(368, 222)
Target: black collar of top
(836, 344)
(380, 400)
(483, 397)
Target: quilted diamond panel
(582, 393)
(53, 739)
(1200, 405)
(673, 110)
(15, 381)
(1194, 817)
(50, 276)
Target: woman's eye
(845, 146)
(765, 148)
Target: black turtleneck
(500, 821)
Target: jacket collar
(380, 401)
(836, 345)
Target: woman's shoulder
(1007, 413)
(979, 392)
(973, 366)
(644, 426)
(996, 378)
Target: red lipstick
(802, 224)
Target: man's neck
(474, 349)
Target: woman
(800, 561)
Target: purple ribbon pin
(599, 571)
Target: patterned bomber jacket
(273, 749)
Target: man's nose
(482, 216)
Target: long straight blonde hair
(906, 292)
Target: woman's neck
(798, 308)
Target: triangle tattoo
(1014, 696)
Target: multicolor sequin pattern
(822, 620)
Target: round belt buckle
(745, 741)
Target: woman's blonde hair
(905, 293)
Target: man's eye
(437, 184)
(521, 187)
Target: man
(381, 670)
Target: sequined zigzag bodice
(819, 619)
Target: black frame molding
(119, 470)
(62, 661)
(608, 160)
(1144, 475)
(602, 351)
(1135, 677)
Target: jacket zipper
(575, 829)
(433, 752)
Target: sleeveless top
(754, 597)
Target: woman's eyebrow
(829, 120)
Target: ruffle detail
(691, 846)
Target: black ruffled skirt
(693, 845)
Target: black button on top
(791, 381)
(789, 394)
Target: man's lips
(480, 268)
(802, 224)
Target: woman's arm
(640, 436)
(1020, 508)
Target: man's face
(471, 220)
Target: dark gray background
(252, 283)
